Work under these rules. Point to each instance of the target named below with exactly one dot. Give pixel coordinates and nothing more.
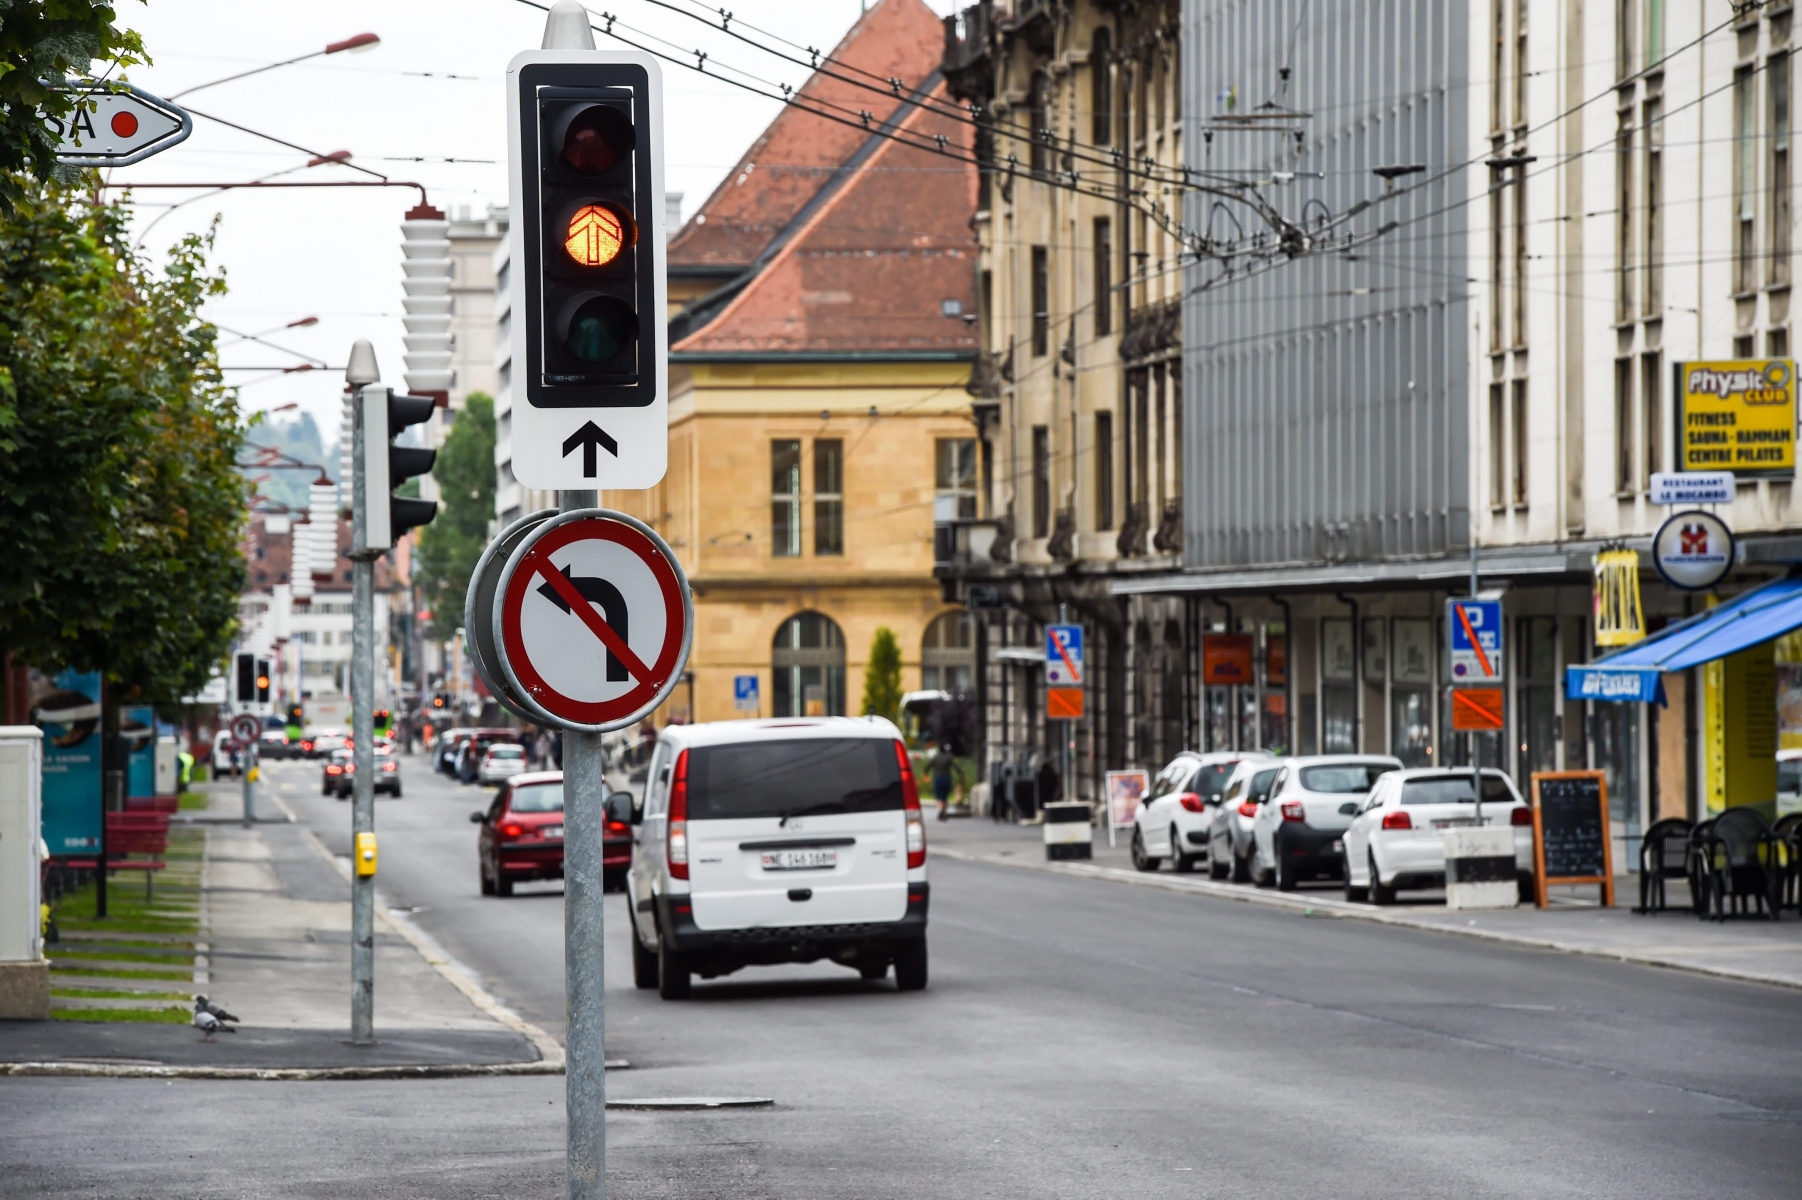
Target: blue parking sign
(1063, 656)
(744, 693)
(1474, 628)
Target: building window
(948, 654)
(808, 667)
(785, 497)
(1518, 436)
(1101, 88)
(1041, 481)
(1520, 62)
(828, 496)
(1625, 16)
(1779, 269)
(1104, 470)
(954, 479)
(986, 298)
(1104, 277)
(1651, 416)
(1041, 301)
(1623, 425)
(1745, 179)
(1498, 446)
(1653, 306)
(1498, 64)
(1498, 275)
(1623, 216)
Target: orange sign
(1276, 661)
(1226, 659)
(1063, 704)
(1478, 710)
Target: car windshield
(1212, 780)
(1348, 779)
(1789, 775)
(802, 776)
(1454, 789)
(537, 797)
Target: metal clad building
(1326, 397)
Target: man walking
(941, 767)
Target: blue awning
(1745, 621)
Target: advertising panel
(67, 708)
(138, 727)
(1738, 415)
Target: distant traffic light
(587, 172)
(262, 681)
(246, 690)
(384, 415)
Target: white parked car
(1173, 821)
(501, 762)
(778, 842)
(1397, 839)
(327, 740)
(1230, 821)
(1298, 832)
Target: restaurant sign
(1737, 415)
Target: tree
(450, 545)
(120, 504)
(42, 44)
(882, 677)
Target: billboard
(67, 708)
(137, 726)
(1737, 415)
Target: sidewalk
(274, 949)
(1747, 949)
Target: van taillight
(1522, 815)
(1191, 802)
(1397, 820)
(1293, 811)
(910, 802)
(677, 836)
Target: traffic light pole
(362, 719)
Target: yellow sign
(1620, 621)
(1739, 416)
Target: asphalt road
(1079, 1039)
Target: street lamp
(361, 42)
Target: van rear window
(799, 777)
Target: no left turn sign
(592, 619)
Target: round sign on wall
(592, 620)
(1693, 550)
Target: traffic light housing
(385, 465)
(592, 235)
(245, 691)
(262, 680)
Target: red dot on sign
(124, 124)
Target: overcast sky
(433, 88)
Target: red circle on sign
(124, 124)
(525, 575)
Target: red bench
(137, 833)
(158, 804)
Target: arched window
(1101, 88)
(948, 654)
(809, 667)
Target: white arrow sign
(115, 128)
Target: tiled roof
(796, 156)
(870, 265)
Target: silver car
(1230, 818)
(502, 762)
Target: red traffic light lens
(596, 138)
(599, 328)
(597, 234)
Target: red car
(522, 836)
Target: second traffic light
(384, 415)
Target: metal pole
(250, 787)
(1063, 618)
(362, 725)
(1476, 747)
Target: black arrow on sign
(588, 437)
(596, 590)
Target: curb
(124, 1071)
(1324, 907)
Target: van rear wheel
(910, 966)
(672, 972)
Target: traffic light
(262, 680)
(246, 690)
(385, 465)
(593, 228)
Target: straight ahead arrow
(588, 437)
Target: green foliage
(43, 42)
(450, 545)
(120, 502)
(882, 677)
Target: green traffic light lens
(600, 328)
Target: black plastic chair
(1741, 865)
(1697, 867)
(1663, 854)
(1787, 833)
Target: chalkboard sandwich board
(1571, 842)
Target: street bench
(153, 804)
(137, 833)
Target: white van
(778, 841)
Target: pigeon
(208, 1024)
(202, 1004)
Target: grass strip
(82, 993)
(191, 800)
(128, 954)
(155, 1016)
(115, 972)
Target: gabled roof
(797, 154)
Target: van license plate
(800, 860)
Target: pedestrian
(1051, 783)
(941, 767)
(185, 768)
